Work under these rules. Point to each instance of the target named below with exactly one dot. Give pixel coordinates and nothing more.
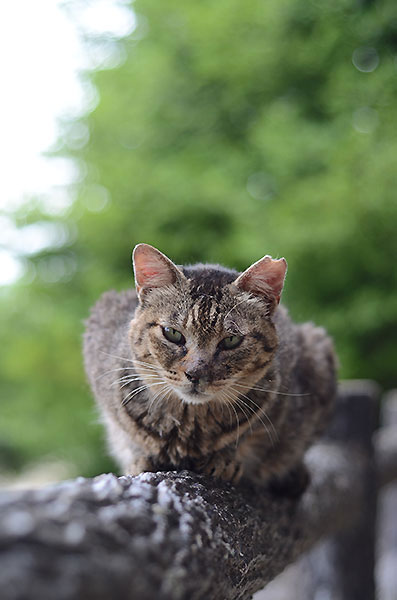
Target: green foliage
(231, 130)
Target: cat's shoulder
(112, 308)
(307, 330)
(312, 343)
(282, 319)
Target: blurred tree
(228, 131)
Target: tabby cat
(202, 369)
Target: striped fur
(252, 411)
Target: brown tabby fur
(256, 408)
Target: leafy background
(222, 131)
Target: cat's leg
(223, 465)
(277, 466)
(291, 484)
(280, 473)
(128, 455)
(138, 465)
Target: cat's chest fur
(177, 432)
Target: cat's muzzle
(198, 382)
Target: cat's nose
(194, 375)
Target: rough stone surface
(164, 535)
(170, 536)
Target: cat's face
(201, 334)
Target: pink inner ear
(152, 269)
(148, 273)
(152, 274)
(264, 277)
(275, 275)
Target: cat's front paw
(225, 470)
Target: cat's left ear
(264, 278)
(152, 269)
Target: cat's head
(204, 331)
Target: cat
(200, 368)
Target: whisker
(135, 377)
(168, 390)
(241, 405)
(261, 409)
(127, 381)
(259, 418)
(224, 402)
(112, 371)
(128, 398)
(133, 393)
(128, 359)
(221, 405)
(114, 356)
(155, 397)
(145, 364)
(238, 424)
(230, 403)
(260, 389)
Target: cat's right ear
(152, 269)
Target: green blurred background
(227, 130)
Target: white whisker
(128, 380)
(136, 377)
(114, 356)
(226, 403)
(258, 416)
(112, 371)
(230, 403)
(144, 364)
(132, 360)
(241, 405)
(269, 390)
(156, 396)
(128, 398)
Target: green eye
(174, 336)
(231, 342)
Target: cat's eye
(173, 335)
(230, 342)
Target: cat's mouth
(193, 395)
(194, 392)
